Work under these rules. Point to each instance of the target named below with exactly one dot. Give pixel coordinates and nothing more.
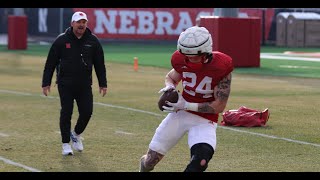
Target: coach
(73, 54)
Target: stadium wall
(132, 23)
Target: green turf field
(124, 121)
(158, 55)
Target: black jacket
(73, 59)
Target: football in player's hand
(170, 95)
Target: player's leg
(66, 101)
(84, 101)
(201, 154)
(167, 135)
(152, 158)
(202, 143)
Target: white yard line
(8, 161)
(123, 132)
(298, 67)
(14, 92)
(127, 108)
(270, 136)
(273, 56)
(4, 135)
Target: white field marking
(127, 108)
(123, 132)
(50, 97)
(3, 135)
(298, 67)
(310, 54)
(270, 56)
(15, 92)
(269, 136)
(229, 128)
(288, 54)
(117, 132)
(8, 161)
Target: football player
(205, 76)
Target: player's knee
(201, 154)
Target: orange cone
(135, 64)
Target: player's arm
(173, 78)
(50, 65)
(221, 94)
(171, 81)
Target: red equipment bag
(245, 117)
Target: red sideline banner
(149, 23)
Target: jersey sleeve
(177, 61)
(229, 65)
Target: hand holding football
(170, 95)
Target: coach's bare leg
(150, 160)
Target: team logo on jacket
(68, 45)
